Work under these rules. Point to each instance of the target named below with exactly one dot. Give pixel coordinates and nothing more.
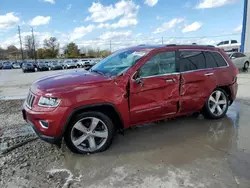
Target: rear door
(198, 79)
(154, 91)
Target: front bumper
(56, 119)
(49, 139)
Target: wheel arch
(108, 109)
(228, 92)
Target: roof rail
(171, 45)
(188, 45)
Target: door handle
(209, 74)
(172, 80)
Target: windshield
(229, 53)
(119, 62)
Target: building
(245, 36)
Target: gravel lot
(185, 152)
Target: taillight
(236, 72)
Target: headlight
(48, 102)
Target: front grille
(30, 100)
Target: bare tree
(51, 47)
(28, 43)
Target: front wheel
(216, 105)
(90, 132)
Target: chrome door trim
(149, 109)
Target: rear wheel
(90, 132)
(246, 65)
(216, 105)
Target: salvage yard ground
(185, 152)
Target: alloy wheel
(89, 134)
(217, 103)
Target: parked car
(240, 60)
(69, 64)
(1, 65)
(133, 86)
(28, 67)
(92, 63)
(229, 45)
(56, 66)
(42, 66)
(16, 66)
(7, 65)
(85, 63)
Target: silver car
(240, 60)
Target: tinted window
(220, 44)
(219, 59)
(234, 55)
(226, 42)
(240, 55)
(162, 63)
(192, 60)
(233, 41)
(210, 60)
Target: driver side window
(160, 64)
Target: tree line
(50, 50)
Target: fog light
(44, 124)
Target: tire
(246, 66)
(85, 120)
(211, 112)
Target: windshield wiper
(99, 72)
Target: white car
(229, 46)
(240, 60)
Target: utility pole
(20, 39)
(33, 40)
(161, 40)
(110, 46)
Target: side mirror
(137, 78)
(233, 57)
(139, 81)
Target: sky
(121, 23)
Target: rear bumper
(234, 90)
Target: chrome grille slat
(30, 100)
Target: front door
(198, 79)
(154, 91)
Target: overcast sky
(124, 22)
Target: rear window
(210, 60)
(219, 59)
(192, 60)
(233, 41)
(241, 55)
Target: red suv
(132, 86)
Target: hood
(64, 82)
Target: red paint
(157, 99)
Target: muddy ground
(182, 153)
